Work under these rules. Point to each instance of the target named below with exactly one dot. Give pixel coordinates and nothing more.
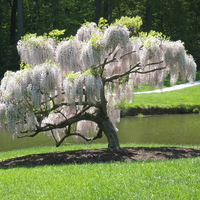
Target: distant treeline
(177, 19)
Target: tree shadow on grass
(126, 154)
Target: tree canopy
(73, 86)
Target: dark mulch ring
(101, 155)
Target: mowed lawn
(184, 97)
(171, 179)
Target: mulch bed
(127, 154)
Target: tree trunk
(55, 14)
(108, 10)
(20, 19)
(13, 22)
(97, 10)
(107, 127)
(148, 17)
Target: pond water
(160, 129)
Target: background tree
(73, 87)
(98, 15)
(20, 21)
(13, 22)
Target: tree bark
(108, 10)
(55, 14)
(107, 127)
(13, 22)
(20, 19)
(98, 4)
(148, 17)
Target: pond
(160, 129)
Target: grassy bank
(185, 96)
(185, 100)
(172, 179)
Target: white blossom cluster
(86, 128)
(2, 114)
(23, 92)
(31, 85)
(116, 36)
(67, 54)
(83, 87)
(87, 56)
(36, 50)
(149, 52)
(55, 118)
(178, 62)
(191, 68)
(85, 32)
(173, 56)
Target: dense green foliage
(172, 179)
(176, 19)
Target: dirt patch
(101, 155)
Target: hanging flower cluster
(116, 36)
(32, 85)
(85, 32)
(67, 54)
(82, 87)
(24, 92)
(35, 50)
(174, 58)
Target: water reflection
(160, 129)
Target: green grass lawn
(172, 179)
(184, 97)
(187, 98)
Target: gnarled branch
(116, 76)
(68, 134)
(134, 69)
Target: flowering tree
(73, 87)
